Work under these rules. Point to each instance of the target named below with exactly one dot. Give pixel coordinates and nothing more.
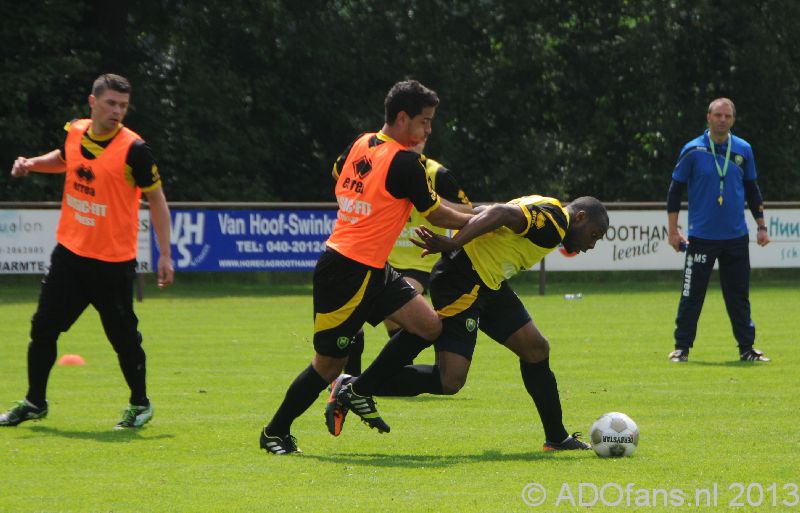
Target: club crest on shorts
(342, 342)
(471, 324)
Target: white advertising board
(637, 240)
(27, 237)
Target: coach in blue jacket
(720, 172)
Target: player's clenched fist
(21, 167)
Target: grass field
(222, 352)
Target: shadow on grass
(427, 398)
(106, 435)
(428, 460)
(734, 363)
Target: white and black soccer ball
(614, 435)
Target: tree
(254, 99)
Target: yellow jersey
(502, 253)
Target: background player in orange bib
(107, 167)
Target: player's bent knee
(451, 385)
(328, 367)
(43, 344)
(537, 352)
(42, 333)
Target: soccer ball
(614, 435)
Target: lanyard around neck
(724, 170)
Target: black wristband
(762, 227)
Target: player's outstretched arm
(460, 207)
(445, 217)
(490, 219)
(47, 163)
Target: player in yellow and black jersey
(470, 292)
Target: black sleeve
(543, 230)
(143, 165)
(674, 196)
(754, 200)
(406, 178)
(447, 187)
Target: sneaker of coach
(24, 410)
(753, 355)
(679, 355)
(135, 416)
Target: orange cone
(71, 359)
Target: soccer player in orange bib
(405, 256)
(380, 180)
(107, 167)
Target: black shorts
(466, 304)
(424, 278)
(74, 282)
(347, 294)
